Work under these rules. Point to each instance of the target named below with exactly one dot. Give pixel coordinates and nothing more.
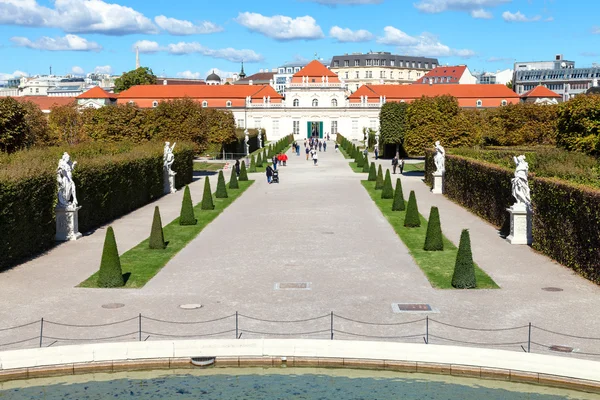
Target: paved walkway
(317, 226)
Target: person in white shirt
(315, 158)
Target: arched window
(228, 104)
(479, 103)
(205, 103)
(333, 102)
(315, 103)
(504, 102)
(296, 103)
(155, 104)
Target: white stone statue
(440, 158)
(520, 183)
(247, 141)
(67, 195)
(377, 139)
(169, 158)
(260, 144)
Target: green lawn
(208, 166)
(356, 169)
(140, 264)
(418, 167)
(343, 152)
(438, 266)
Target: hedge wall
(239, 145)
(110, 180)
(566, 216)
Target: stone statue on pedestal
(520, 183)
(440, 158)
(520, 212)
(67, 208)
(247, 142)
(260, 143)
(377, 140)
(168, 173)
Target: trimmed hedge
(111, 180)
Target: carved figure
(520, 183)
(247, 141)
(67, 195)
(260, 145)
(440, 158)
(169, 158)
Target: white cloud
(76, 16)
(500, 59)
(518, 17)
(438, 6)
(17, 74)
(67, 43)
(182, 27)
(281, 27)
(481, 14)
(426, 44)
(189, 75)
(229, 53)
(103, 69)
(147, 46)
(348, 35)
(77, 70)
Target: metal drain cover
(113, 305)
(552, 289)
(413, 308)
(292, 286)
(190, 306)
(561, 349)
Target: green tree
(157, 237)
(252, 164)
(259, 161)
(207, 200)
(509, 84)
(13, 126)
(464, 270)
(579, 124)
(140, 76)
(36, 123)
(392, 119)
(398, 204)
(412, 219)
(110, 274)
(233, 181)
(433, 239)
(243, 173)
(360, 162)
(66, 124)
(388, 190)
(372, 172)
(379, 180)
(221, 192)
(186, 216)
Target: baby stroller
(275, 178)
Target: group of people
(397, 162)
(310, 147)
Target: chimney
(250, 82)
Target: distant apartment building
(284, 75)
(376, 68)
(458, 74)
(495, 78)
(558, 75)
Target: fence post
(427, 329)
(529, 340)
(236, 325)
(331, 328)
(140, 327)
(41, 331)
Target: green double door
(314, 129)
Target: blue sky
(189, 38)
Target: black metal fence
(528, 337)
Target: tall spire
(242, 73)
(137, 57)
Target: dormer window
(228, 104)
(205, 103)
(504, 102)
(155, 104)
(296, 103)
(334, 103)
(479, 103)
(315, 103)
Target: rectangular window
(432, 65)
(369, 63)
(391, 74)
(426, 65)
(383, 63)
(419, 65)
(357, 76)
(392, 63)
(334, 127)
(356, 63)
(346, 63)
(290, 70)
(257, 123)
(336, 64)
(354, 126)
(240, 123)
(382, 74)
(376, 63)
(346, 74)
(296, 127)
(400, 64)
(276, 127)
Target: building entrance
(314, 129)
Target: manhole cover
(552, 289)
(413, 308)
(190, 306)
(561, 349)
(292, 286)
(113, 305)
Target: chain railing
(528, 337)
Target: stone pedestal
(438, 183)
(169, 182)
(520, 224)
(67, 224)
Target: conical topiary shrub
(221, 192)
(366, 164)
(186, 216)
(233, 181)
(110, 274)
(243, 172)
(360, 162)
(387, 191)
(379, 180)
(259, 161)
(372, 172)
(412, 220)
(398, 204)
(433, 239)
(252, 164)
(207, 200)
(464, 270)
(157, 237)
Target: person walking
(394, 163)
(325, 146)
(307, 152)
(269, 172)
(376, 153)
(401, 166)
(237, 167)
(274, 160)
(297, 150)
(315, 158)
(320, 145)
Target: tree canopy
(140, 76)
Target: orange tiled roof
(45, 103)
(406, 92)
(162, 92)
(541, 91)
(315, 69)
(454, 72)
(97, 93)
